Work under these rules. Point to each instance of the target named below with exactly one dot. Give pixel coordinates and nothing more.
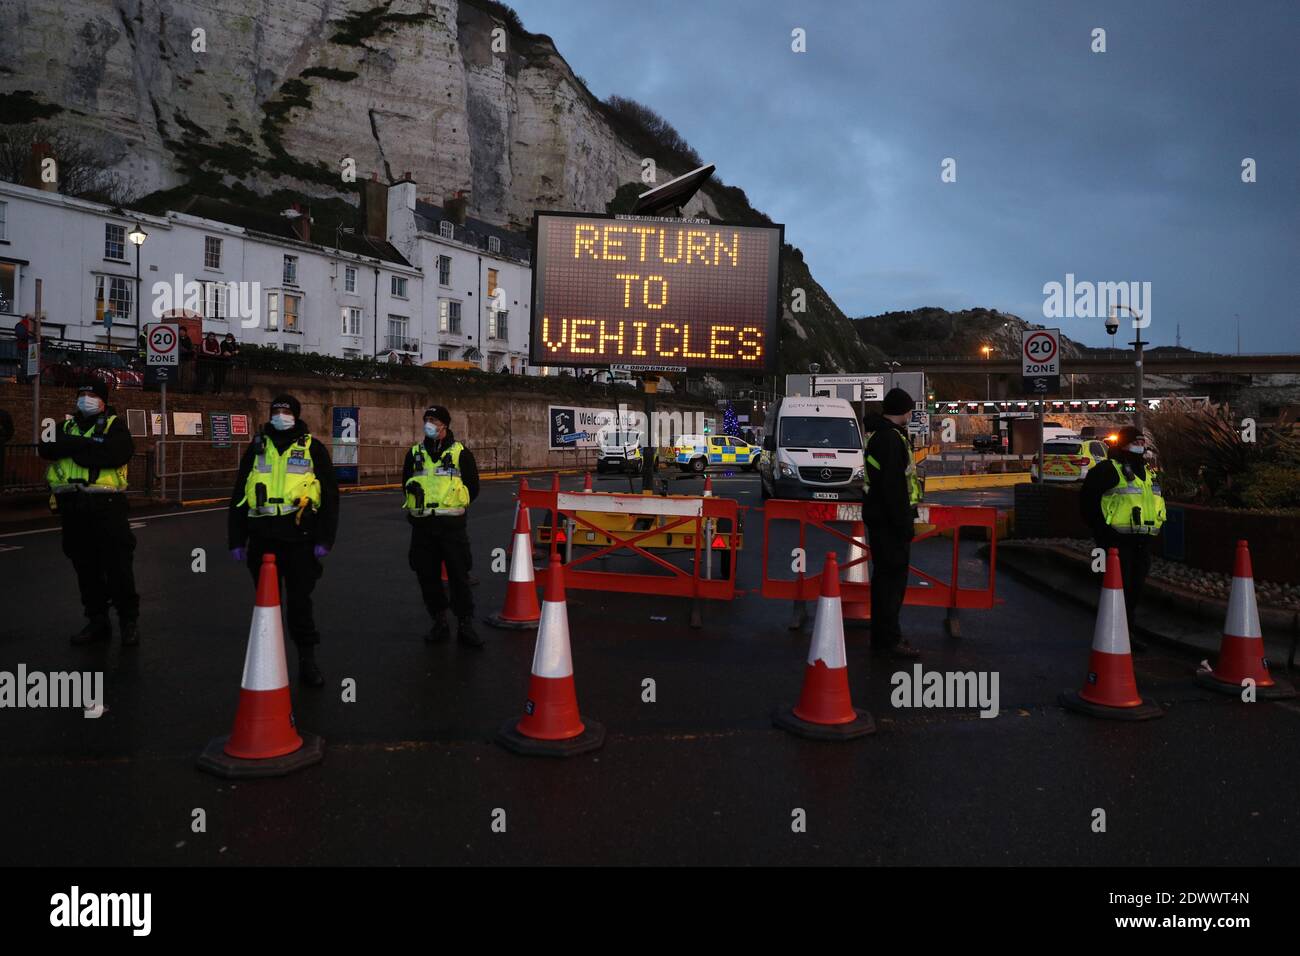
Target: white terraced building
(264, 277)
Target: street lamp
(813, 369)
(137, 237)
(988, 387)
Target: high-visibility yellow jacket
(915, 491)
(65, 475)
(435, 486)
(1135, 505)
(281, 482)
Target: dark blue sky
(1115, 166)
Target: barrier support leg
(799, 615)
(952, 623)
(697, 614)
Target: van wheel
(697, 466)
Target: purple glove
(320, 550)
(239, 554)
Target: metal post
(1041, 403)
(1138, 409)
(647, 454)
(36, 388)
(180, 476)
(162, 443)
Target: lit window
(399, 287)
(9, 287)
(211, 252)
(446, 229)
(273, 310)
(290, 270)
(114, 241)
(112, 296)
(291, 303)
(349, 279)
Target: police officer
(1122, 503)
(440, 479)
(892, 492)
(87, 478)
(286, 502)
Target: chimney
(301, 223)
(35, 162)
(456, 207)
(374, 208)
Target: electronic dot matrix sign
(625, 290)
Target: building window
(449, 316)
(501, 325)
(397, 328)
(214, 300)
(352, 353)
(291, 307)
(290, 270)
(4, 234)
(9, 288)
(399, 287)
(492, 283)
(273, 310)
(444, 355)
(292, 349)
(115, 242)
(494, 244)
(444, 270)
(112, 295)
(211, 252)
(349, 279)
(447, 229)
(351, 321)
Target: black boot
(439, 632)
(97, 629)
(309, 674)
(466, 634)
(902, 651)
(130, 633)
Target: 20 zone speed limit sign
(1040, 352)
(163, 345)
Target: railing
(22, 471)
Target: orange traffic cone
(858, 612)
(586, 483)
(825, 710)
(1111, 687)
(708, 486)
(521, 611)
(551, 725)
(264, 742)
(1241, 655)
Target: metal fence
(22, 471)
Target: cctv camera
(1112, 324)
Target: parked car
(698, 452)
(987, 444)
(1069, 460)
(70, 367)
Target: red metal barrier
(698, 520)
(804, 586)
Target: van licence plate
(831, 495)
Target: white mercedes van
(813, 449)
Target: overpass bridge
(1118, 362)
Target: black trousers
(299, 571)
(436, 542)
(1134, 563)
(891, 553)
(97, 539)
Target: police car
(1069, 459)
(697, 452)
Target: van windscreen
(817, 432)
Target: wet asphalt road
(699, 776)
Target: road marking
(176, 514)
(138, 524)
(10, 547)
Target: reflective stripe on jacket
(66, 475)
(281, 483)
(915, 490)
(435, 486)
(1135, 505)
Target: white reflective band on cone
(1243, 612)
(828, 634)
(264, 665)
(552, 657)
(1111, 633)
(848, 513)
(521, 560)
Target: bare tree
(80, 169)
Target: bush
(1269, 486)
